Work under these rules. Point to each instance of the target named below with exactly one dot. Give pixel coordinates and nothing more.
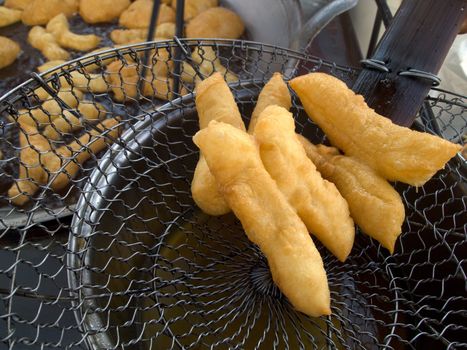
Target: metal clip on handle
(399, 75)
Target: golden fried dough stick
(9, 16)
(274, 93)
(60, 29)
(89, 82)
(138, 14)
(194, 7)
(216, 22)
(317, 201)
(9, 51)
(214, 101)
(17, 4)
(208, 63)
(40, 12)
(49, 110)
(71, 98)
(124, 78)
(125, 36)
(395, 152)
(63, 124)
(102, 11)
(32, 117)
(33, 147)
(92, 111)
(374, 204)
(43, 95)
(49, 65)
(45, 42)
(61, 170)
(68, 122)
(103, 63)
(268, 219)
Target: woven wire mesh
(139, 266)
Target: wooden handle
(419, 37)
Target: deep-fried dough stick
(124, 80)
(374, 204)
(138, 14)
(216, 22)
(52, 161)
(46, 43)
(214, 101)
(317, 201)
(274, 93)
(9, 16)
(9, 51)
(49, 65)
(31, 172)
(89, 82)
(94, 143)
(267, 217)
(125, 36)
(17, 4)
(60, 29)
(208, 63)
(397, 153)
(68, 122)
(39, 12)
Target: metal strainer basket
(144, 268)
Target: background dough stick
(71, 98)
(54, 161)
(89, 82)
(397, 153)
(9, 51)
(215, 22)
(268, 219)
(214, 101)
(60, 29)
(317, 201)
(41, 11)
(9, 16)
(31, 172)
(102, 11)
(40, 39)
(138, 14)
(275, 92)
(374, 204)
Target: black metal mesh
(139, 266)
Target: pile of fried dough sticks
(282, 187)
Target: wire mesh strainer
(144, 268)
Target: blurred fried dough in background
(40, 39)
(9, 51)
(138, 14)
(39, 12)
(60, 29)
(17, 4)
(9, 16)
(194, 7)
(215, 22)
(102, 11)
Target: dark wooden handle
(419, 37)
